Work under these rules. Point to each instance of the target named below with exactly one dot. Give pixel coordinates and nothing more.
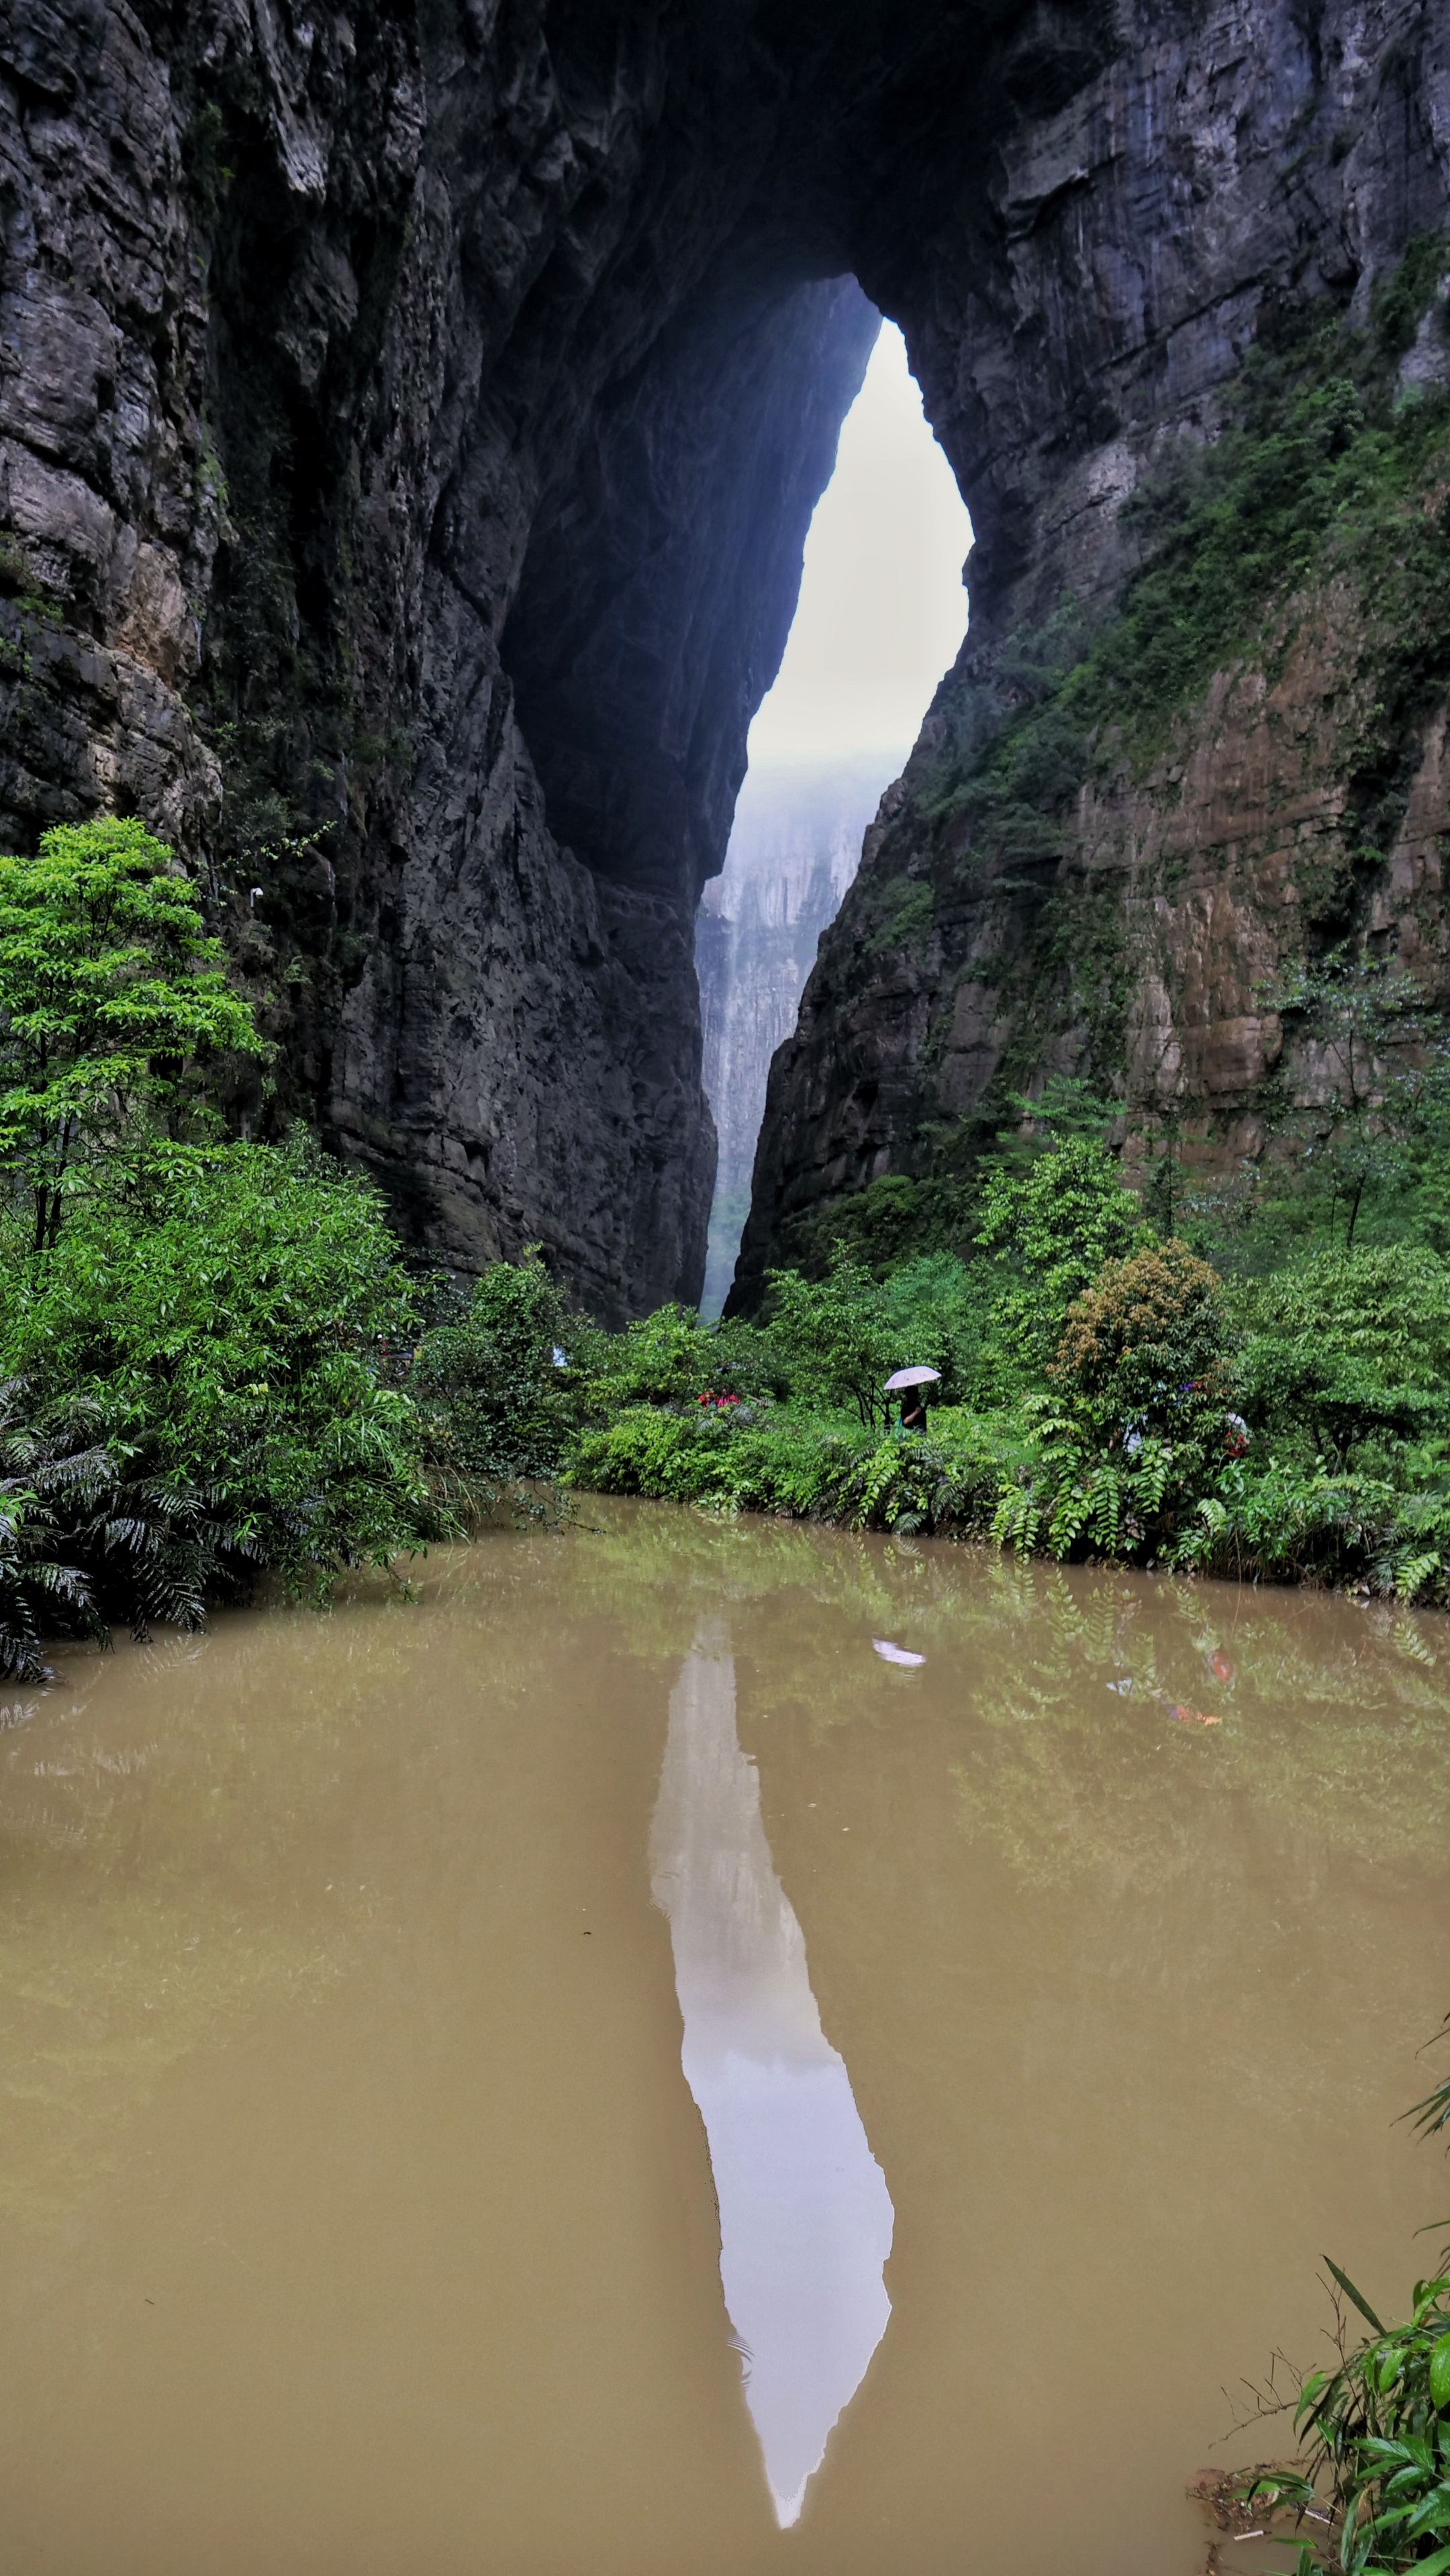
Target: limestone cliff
(1115, 848)
(409, 422)
(794, 848)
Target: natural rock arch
(411, 422)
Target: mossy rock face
(1138, 815)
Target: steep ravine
(794, 848)
(409, 423)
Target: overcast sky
(882, 608)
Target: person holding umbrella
(910, 1384)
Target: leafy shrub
(1372, 2494)
(1052, 1228)
(803, 1467)
(1350, 1352)
(940, 1312)
(838, 1337)
(671, 1357)
(1313, 1402)
(1379, 2426)
(1389, 1306)
(1147, 1341)
(788, 1465)
(229, 1324)
(1289, 1524)
(497, 1393)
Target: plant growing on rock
(1384, 1057)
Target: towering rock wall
(409, 422)
(370, 376)
(794, 848)
(1058, 884)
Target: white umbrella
(911, 1377)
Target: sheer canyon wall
(410, 418)
(794, 847)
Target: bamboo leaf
(1351, 2293)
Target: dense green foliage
(200, 1343)
(1102, 1392)
(493, 1381)
(110, 991)
(200, 1374)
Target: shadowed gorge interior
(411, 425)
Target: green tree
(499, 1389)
(1147, 1341)
(1055, 1225)
(837, 1335)
(230, 1329)
(111, 989)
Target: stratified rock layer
(409, 423)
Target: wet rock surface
(409, 425)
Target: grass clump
(1369, 2492)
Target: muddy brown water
(401, 2005)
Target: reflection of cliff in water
(795, 848)
(805, 2221)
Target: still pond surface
(603, 2071)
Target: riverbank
(1022, 1479)
(217, 1359)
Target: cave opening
(880, 618)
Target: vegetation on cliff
(1328, 466)
(1290, 573)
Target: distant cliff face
(409, 422)
(794, 848)
(1196, 739)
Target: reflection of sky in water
(805, 2222)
